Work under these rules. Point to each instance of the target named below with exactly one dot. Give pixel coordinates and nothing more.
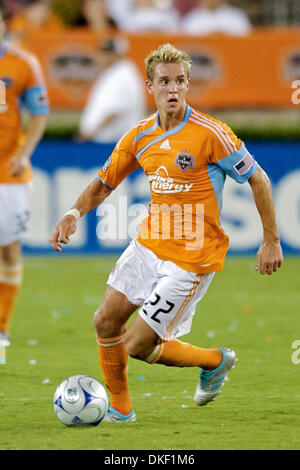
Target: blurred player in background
(150, 16)
(96, 15)
(168, 268)
(119, 10)
(36, 15)
(183, 8)
(216, 16)
(117, 99)
(21, 83)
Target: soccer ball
(80, 400)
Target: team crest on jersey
(184, 161)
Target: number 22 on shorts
(159, 310)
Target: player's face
(169, 87)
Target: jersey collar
(168, 133)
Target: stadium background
(247, 82)
(53, 335)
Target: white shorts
(167, 294)
(15, 203)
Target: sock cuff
(106, 342)
(156, 354)
(11, 274)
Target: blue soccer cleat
(113, 415)
(211, 382)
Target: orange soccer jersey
(21, 84)
(186, 169)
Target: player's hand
(18, 164)
(61, 233)
(269, 257)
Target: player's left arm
(269, 255)
(34, 99)
(241, 166)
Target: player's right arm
(91, 197)
(121, 162)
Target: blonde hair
(167, 54)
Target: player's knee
(106, 324)
(11, 255)
(103, 323)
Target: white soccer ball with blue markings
(80, 400)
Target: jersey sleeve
(230, 154)
(120, 164)
(34, 96)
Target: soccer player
(21, 84)
(168, 268)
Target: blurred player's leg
(14, 229)
(11, 274)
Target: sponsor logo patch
(161, 182)
(244, 165)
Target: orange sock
(10, 283)
(113, 360)
(179, 354)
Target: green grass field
(53, 338)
